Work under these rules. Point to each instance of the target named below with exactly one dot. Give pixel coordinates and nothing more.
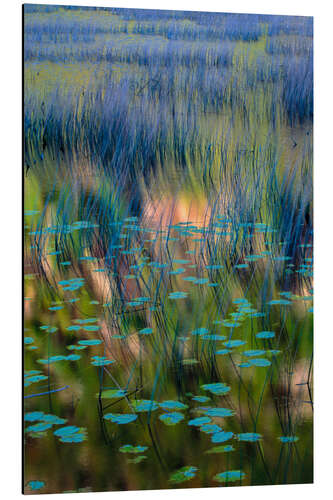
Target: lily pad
(129, 448)
(184, 474)
(36, 485)
(218, 388)
(172, 418)
(265, 335)
(221, 437)
(143, 405)
(173, 405)
(120, 418)
(229, 476)
(113, 394)
(251, 437)
(198, 422)
(219, 412)
(288, 439)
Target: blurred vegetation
(168, 249)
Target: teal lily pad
(218, 388)
(229, 476)
(113, 394)
(146, 331)
(120, 418)
(36, 485)
(288, 439)
(234, 343)
(129, 448)
(172, 418)
(265, 335)
(198, 422)
(177, 295)
(143, 405)
(219, 412)
(221, 437)
(184, 474)
(173, 405)
(251, 437)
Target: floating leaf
(171, 418)
(184, 474)
(240, 301)
(229, 476)
(55, 308)
(221, 436)
(113, 394)
(210, 428)
(281, 302)
(200, 331)
(213, 337)
(143, 405)
(40, 427)
(32, 380)
(198, 422)
(249, 436)
(177, 295)
(66, 431)
(180, 270)
(218, 388)
(254, 352)
(201, 399)
(120, 418)
(36, 485)
(288, 439)
(265, 335)
(219, 412)
(73, 328)
(201, 281)
(223, 352)
(128, 448)
(72, 357)
(260, 362)
(89, 342)
(71, 434)
(221, 449)
(101, 361)
(146, 331)
(52, 359)
(253, 258)
(33, 416)
(173, 405)
(53, 419)
(91, 328)
(274, 352)
(234, 343)
(76, 347)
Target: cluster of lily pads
(172, 412)
(39, 423)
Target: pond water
(155, 366)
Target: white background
(10, 263)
